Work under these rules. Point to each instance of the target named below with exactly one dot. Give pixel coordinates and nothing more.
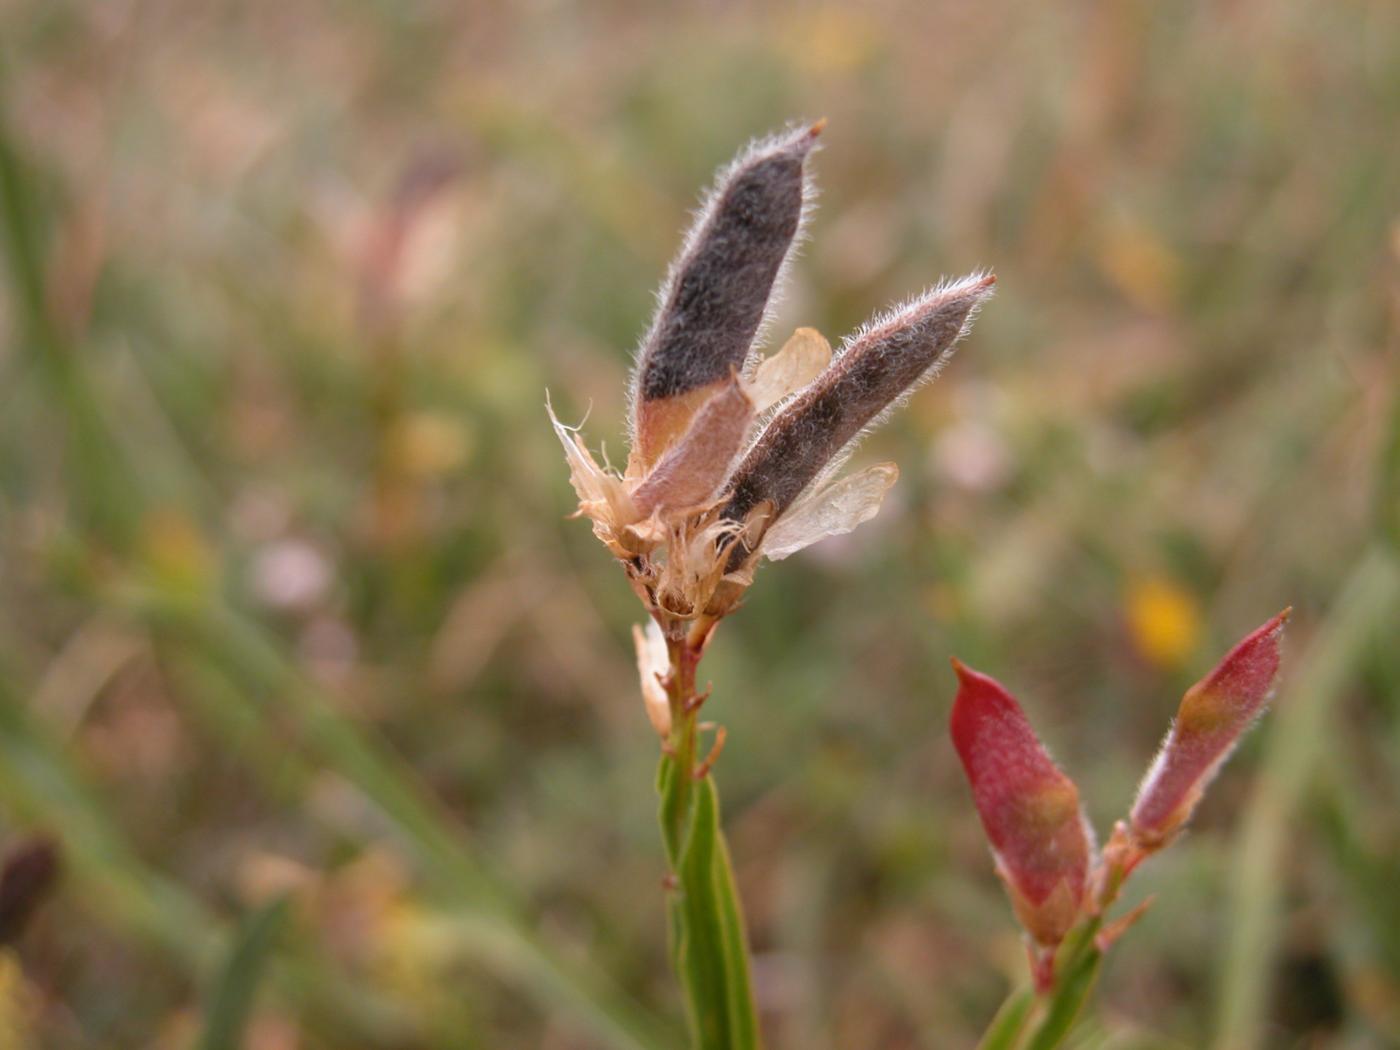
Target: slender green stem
(680, 689)
(1077, 971)
(709, 946)
(1042, 1022)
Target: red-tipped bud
(1030, 810)
(1214, 714)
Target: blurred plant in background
(283, 558)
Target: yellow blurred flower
(1163, 620)
(430, 444)
(831, 40)
(1139, 263)
(176, 550)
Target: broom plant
(735, 459)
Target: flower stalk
(709, 943)
(732, 461)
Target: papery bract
(652, 663)
(1029, 808)
(803, 357)
(830, 511)
(602, 496)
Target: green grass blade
(231, 1003)
(242, 649)
(1298, 738)
(743, 1015)
(104, 492)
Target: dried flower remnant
(1214, 714)
(652, 663)
(1042, 842)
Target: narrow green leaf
(1005, 1030)
(742, 1013)
(104, 492)
(703, 956)
(1299, 741)
(709, 948)
(671, 802)
(231, 1001)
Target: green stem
(1033, 1022)
(1077, 972)
(680, 689)
(709, 945)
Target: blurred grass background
(288, 607)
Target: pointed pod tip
(970, 676)
(979, 697)
(1272, 631)
(987, 281)
(1269, 632)
(818, 126)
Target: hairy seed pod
(717, 292)
(878, 365)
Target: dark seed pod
(877, 367)
(714, 299)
